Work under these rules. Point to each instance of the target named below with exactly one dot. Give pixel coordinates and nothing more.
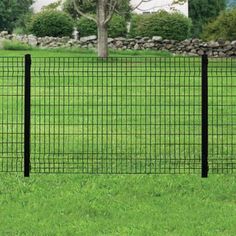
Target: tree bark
(102, 29)
(102, 41)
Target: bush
(86, 27)
(116, 27)
(223, 27)
(51, 23)
(167, 25)
(22, 24)
(15, 45)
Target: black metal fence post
(204, 115)
(27, 116)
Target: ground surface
(117, 205)
(66, 204)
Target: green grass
(14, 45)
(120, 204)
(166, 205)
(79, 52)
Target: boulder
(110, 40)
(186, 42)
(32, 41)
(157, 38)
(88, 38)
(149, 45)
(119, 44)
(213, 44)
(120, 39)
(4, 33)
(136, 46)
(233, 43)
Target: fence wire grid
(118, 116)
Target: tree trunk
(102, 41)
(102, 29)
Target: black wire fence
(118, 116)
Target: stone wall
(191, 47)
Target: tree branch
(138, 5)
(174, 2)
(83, 14)
(112, 7)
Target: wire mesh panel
(120, 115)
(222, 115)
(11, 114)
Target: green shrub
(223, 27)
(15, 45)
(18, 30)
(135, 19)
(22, 24)
(116, 27)
(51, 23)
(86, 27)
(167, 25)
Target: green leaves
(201, 11)
(11, 11)
(167, 25)
(52, 23)
(222, 28)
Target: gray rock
(72, 42)
(166, 41)
(233, 43)
(110, 40)
(64, 39)
(213, 44)
(186, 42)
(157, 38)
(145, 38)
(120, 39)
(119, 44)
(168, 46)
(4, 33)
(136, 46)
(200, 52)
(221, 54)
(130, 40)
(19, 37)
(149, 45)
(189, 48)
(88, 38)
(32, 40)
(196, 41)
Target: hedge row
(57, 24)
(167, 25)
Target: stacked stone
(192, 47)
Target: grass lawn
(70, 204)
